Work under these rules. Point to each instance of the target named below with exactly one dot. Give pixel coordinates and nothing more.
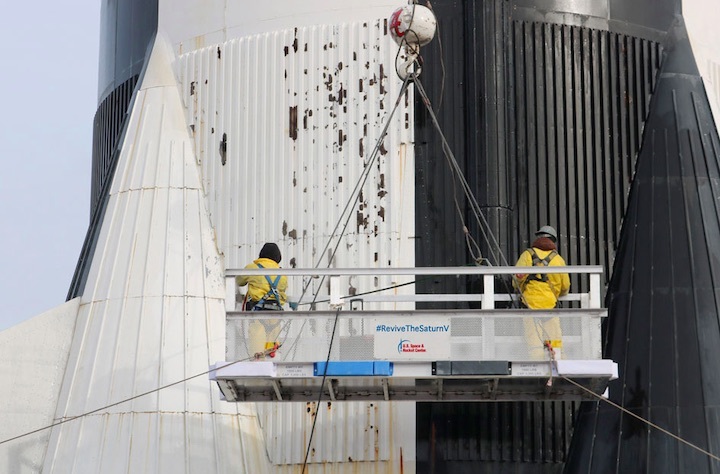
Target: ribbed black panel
(493, 437)
(127, 29)
(664, 297)
(579, 100)
(108, 123)
(546, 122)
(468, 89)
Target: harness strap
(536, 262)
(272, 293)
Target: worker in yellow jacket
(541, 291)
(265, 293)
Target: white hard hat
(547, 231)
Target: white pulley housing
(412, 25)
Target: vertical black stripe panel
(663, 329)
(545, 120)
(580, 100)
(127, 29)
(107, 125)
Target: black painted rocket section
(664, 299)
(589, 116)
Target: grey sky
(48, 82)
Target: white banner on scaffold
(412, 338)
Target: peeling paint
(382, 79)
(293, 127)
(223, 149)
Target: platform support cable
(129, 399)
(641, 419)
(456, 173)
(320, 394)
(346, 214)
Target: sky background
(49, 86)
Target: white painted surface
(195, 24)
(289, 182)
(33, 356)
(301, 112)
(702, 18)
(152, 314)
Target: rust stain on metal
(223, 148)
(292, 234)
(293, 126)
(284, 228)
(328, 82)
(361, 221)
(382, 79)
(383, 150)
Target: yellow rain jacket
(541, 294)
(258, 285)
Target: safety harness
(268, 298)
(536, 262)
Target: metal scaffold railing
(372, 342)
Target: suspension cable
(155, 390)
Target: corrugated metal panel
(580, 99)
(33, 356)
(296, 113)
(546, 120)
(152, 314)
(345, 432)
(663, 328)
(107, 125)
(493, 433)
(283, 123)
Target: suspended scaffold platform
(376, 344)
